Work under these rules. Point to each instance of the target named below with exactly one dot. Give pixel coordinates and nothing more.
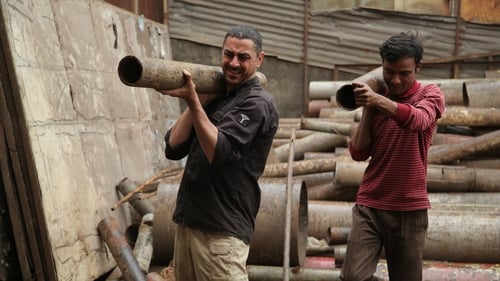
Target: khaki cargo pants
(200, 256)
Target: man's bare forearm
(362, 135)
(205, 130)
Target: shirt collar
(412, 90)
(252, 82)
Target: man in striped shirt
(395, 132)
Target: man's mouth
(233, 71)
(233, 75)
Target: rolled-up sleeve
(238, 128)
(421, 115)
(179, 151)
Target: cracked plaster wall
(88, 131)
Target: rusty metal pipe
(470, 116)
(318, 142)
(345, 94)
(266, 247)
(339, 252)
(454, 115)
(267, 240)
(446, 237)
(324, 89)
(120, 249)
(493, 163)
(440, 178)
(142, 207)
(165, 74)
(337, 235)
(274, 273)
(327, 125)
(454, 90)
(331, 191)
(143, 247)
(317, 155)
(324, 214)
(285, 133)
(482, 93)
(443, 154)
(443, 178)
(314, 107)
(340, 114)
(483, 198)
(440, 138)
(302, 167)
(316, 178)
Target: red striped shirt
(396, 176)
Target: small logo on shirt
(244, 119)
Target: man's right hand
(187, 92)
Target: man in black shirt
(227, 140)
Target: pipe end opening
(345, 97)
(129, 70)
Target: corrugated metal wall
(349, 36)
(281, 23)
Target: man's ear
(260, 58)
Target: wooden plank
(153, 10)
(485, 11)
(20, 178)
(11, 195)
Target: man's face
(400, 75)
(239, 60)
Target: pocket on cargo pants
(228, 258)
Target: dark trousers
(400, 234)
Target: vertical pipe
(288, 210)
(165, 13)
(306, 58)
(136, 7)
(456, 49)
(143, 248)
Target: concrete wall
(87, 130)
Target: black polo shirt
(224, 197)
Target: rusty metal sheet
(347, 36)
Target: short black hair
(246, 32)
(403, 45)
